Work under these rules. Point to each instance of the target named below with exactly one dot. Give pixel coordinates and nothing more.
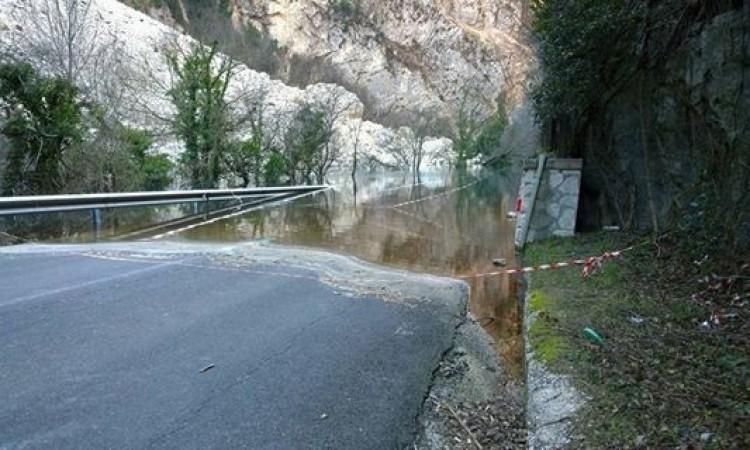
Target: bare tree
(422, 124)
(64, 38)
(245, 158)
(333, 104)
(355, 150)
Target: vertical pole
(528, 215)
(96, 221)
(206, 209)
(196, 208)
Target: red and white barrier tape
(590, 265)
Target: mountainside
(402, 58)
(140, 78)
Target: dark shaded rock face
(695, 113)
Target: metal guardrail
(42, 204)
(35, 204)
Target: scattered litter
(591, 334)
(715, 320)
(611, 228)
(323, 416)
(207, 368)
(636, 320)
(500, 262)
(512, 215)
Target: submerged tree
(303, 143)
(475, 132)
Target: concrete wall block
(570, 186)
(553, 209)
(542, 219)
(556, 203)
(555, 179)
(567, 220)
(569, 201)
(563, 233)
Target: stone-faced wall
(555, 207)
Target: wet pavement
(162, 345)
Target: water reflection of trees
(78, 226)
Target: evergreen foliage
(304, 141)
(59, 144)
(614, 68)
(475, 136)
(203, 117)
(42, 122)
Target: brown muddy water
(443, 224)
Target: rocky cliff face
(404, 54)
(140, 80)
(401, 57)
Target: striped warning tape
(590, 265)
(441, 194)
(235, 214)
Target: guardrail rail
(41, 204)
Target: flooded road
(443, 225)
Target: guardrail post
(196, 208)
(96, 221)
(206, 209)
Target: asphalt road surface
(182, 352)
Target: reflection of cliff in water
(456, 226)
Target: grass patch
(546, 341)
(539, 301)
(548, 345)
(661, 380)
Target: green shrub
(42, 118)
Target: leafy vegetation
(303, 143)
(154, 170)
(623, 82)
(42, 123)
(202, 119)
(475, 135)
(59, 144)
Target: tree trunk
(647, 156)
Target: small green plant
(274, 169)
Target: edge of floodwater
(340, 271)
